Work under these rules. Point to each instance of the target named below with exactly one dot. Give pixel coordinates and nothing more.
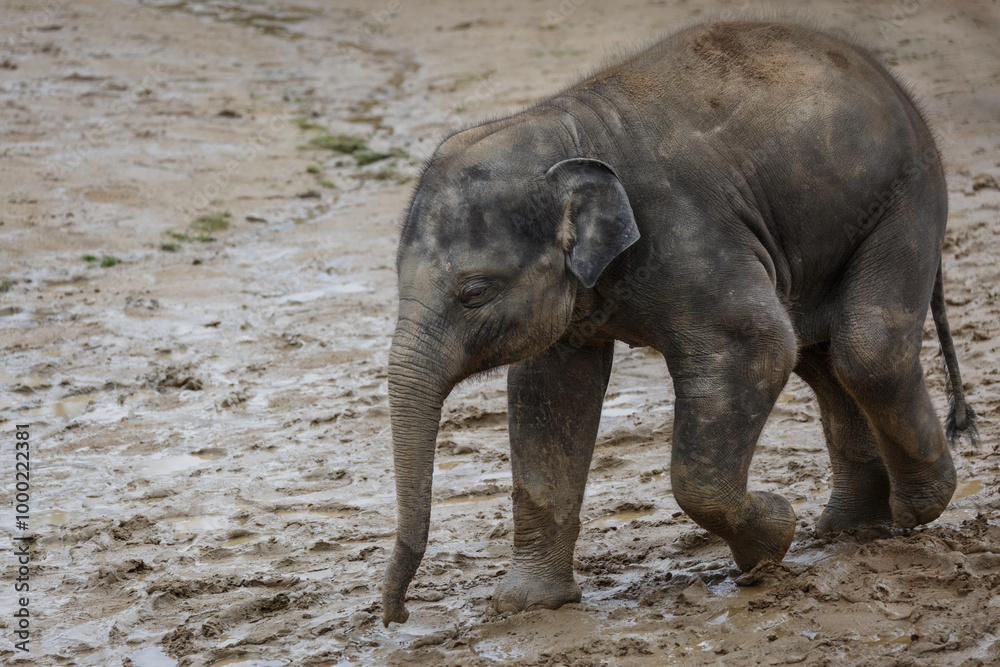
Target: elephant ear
(597, 223)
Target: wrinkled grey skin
(749, 199)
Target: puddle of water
(169, 464)
(471, 499)
(969, 488)
(497, 650)
(244, 661)
(67, 408)
(236, 541)
(957, 516)
(310, 514)
(720, 619)
(28, 381)
(138, 396)
(305, 297)
(241, 558)
(72, 407)
(270, 21)
(448, 465)
(622, 405)
(55, 517)
(95, 657)
(324, 573)
(881, 641)
(619, 518)
(55, 545)
(725, 588)
(205, 522)
(152, 656)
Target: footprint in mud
(237, 538)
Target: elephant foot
(910, 509)
(834, 520)
(768, 532)
(522, 591)
(859, 498)
(921, 501)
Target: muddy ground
(210, 434)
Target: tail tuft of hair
(961, 424)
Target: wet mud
(207, 389)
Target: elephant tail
(961, 417)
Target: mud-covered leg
(554, 405)
(880, 366)
(875, 352)
(723, 399)
(860, 495)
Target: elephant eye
(477, 292)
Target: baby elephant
(750, 199)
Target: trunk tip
(394, 612)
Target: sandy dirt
(210, 432)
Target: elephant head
(497, 240)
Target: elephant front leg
(554, 407)
(723, 401)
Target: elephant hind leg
(875, 353)
(889, 387)
(860, 495)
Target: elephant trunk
(422, 372)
